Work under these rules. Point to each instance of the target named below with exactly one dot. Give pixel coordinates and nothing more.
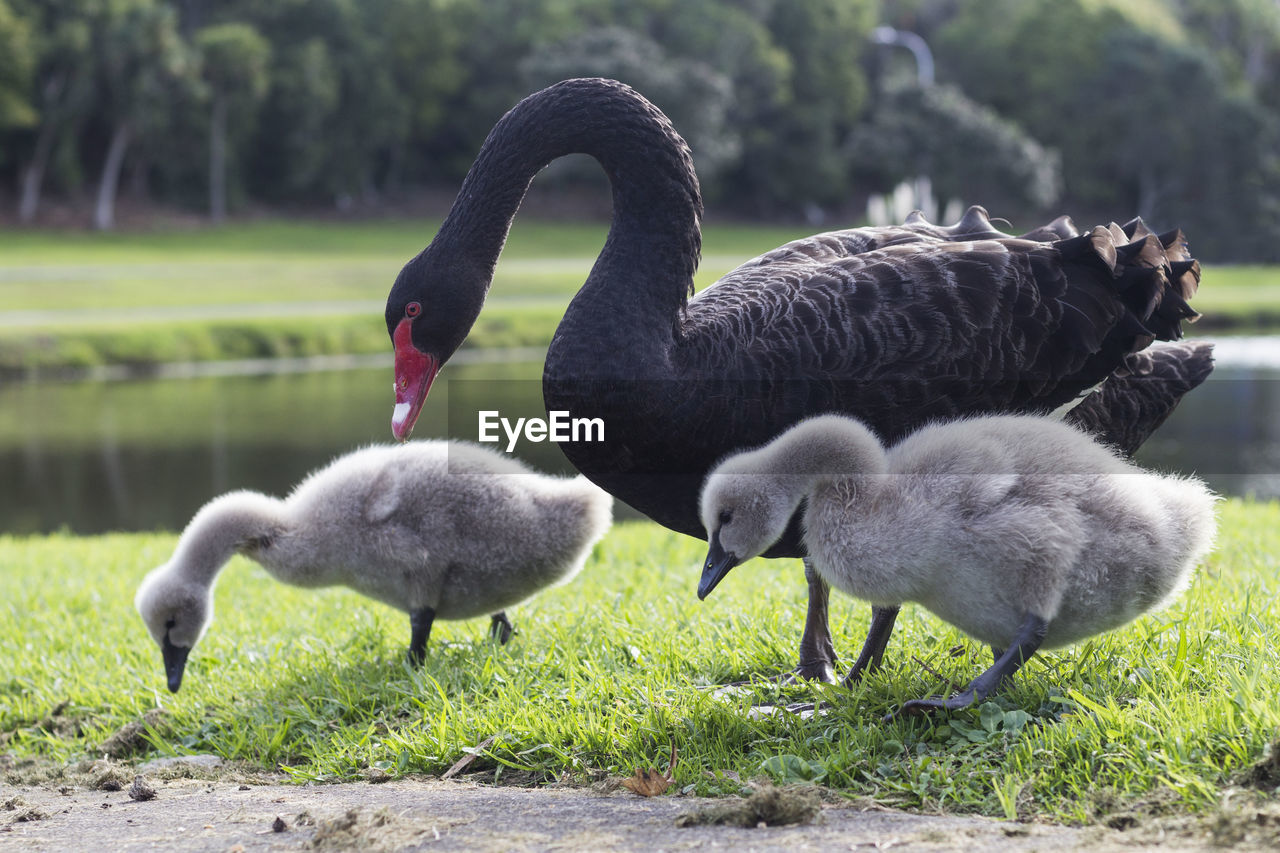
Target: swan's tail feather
(1143, 392)
(1154, 274)
(1136, 229)
(1094, 248)
(1175, 245)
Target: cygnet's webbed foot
(882, 619)
(1029, 637)
(420, 630)
(963, 699)
(500, 628)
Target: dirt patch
(131, 738)
(21, 810)
(766, 806)
(141, 790)
(363, 830)
(200, 815)
(1265, 772)
(108, 776)
(1244, 821)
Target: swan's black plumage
(896, 325)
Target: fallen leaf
(651, 783)
(461, 763)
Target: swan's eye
(413, 309)
(170, 623)
(726, 516)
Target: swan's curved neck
(226, 525)
(645, 271)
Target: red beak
(415, 370)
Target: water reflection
(145, 455)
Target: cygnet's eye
(172, 621)
(726, 516)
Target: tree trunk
(104, 214)
(33, 175)
(218, 160)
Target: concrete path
(194, 815)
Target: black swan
(439, 529)
(898, 325)
(1021, 531)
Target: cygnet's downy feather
(1021, 531)
(435, 528)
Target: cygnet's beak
(175, 662)
(718, 564)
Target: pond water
(145, 455)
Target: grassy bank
(261, 290)
(37, 352)
(608, 673)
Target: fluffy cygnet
(435, 528)
(1021, 531)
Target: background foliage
(1163, 108)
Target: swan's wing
(1061, 228)
(1136, 399)
(924, 330)
(834, 246)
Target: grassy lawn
(70, 300)
(280, 262)
(608, 672)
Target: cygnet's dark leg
(1029, 637)
(882, 619)
(817, 652)
(420, 629)
(501, 628)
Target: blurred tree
(332, 80)
(1244, 37)
(966, 149)
(732, 39)
(288, 164)
(492, 38)
(234, 62)
(60, 88)
(794, 153)
(140, 65)
(1146, 122)
(796, 87)
(16, 62)
(825, 40)
(1164, 107)
(422, 50)
(693, 96)
(1187, 150)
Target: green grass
(609, 671)
(108, 298)
(275, 262)
(140, 344)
